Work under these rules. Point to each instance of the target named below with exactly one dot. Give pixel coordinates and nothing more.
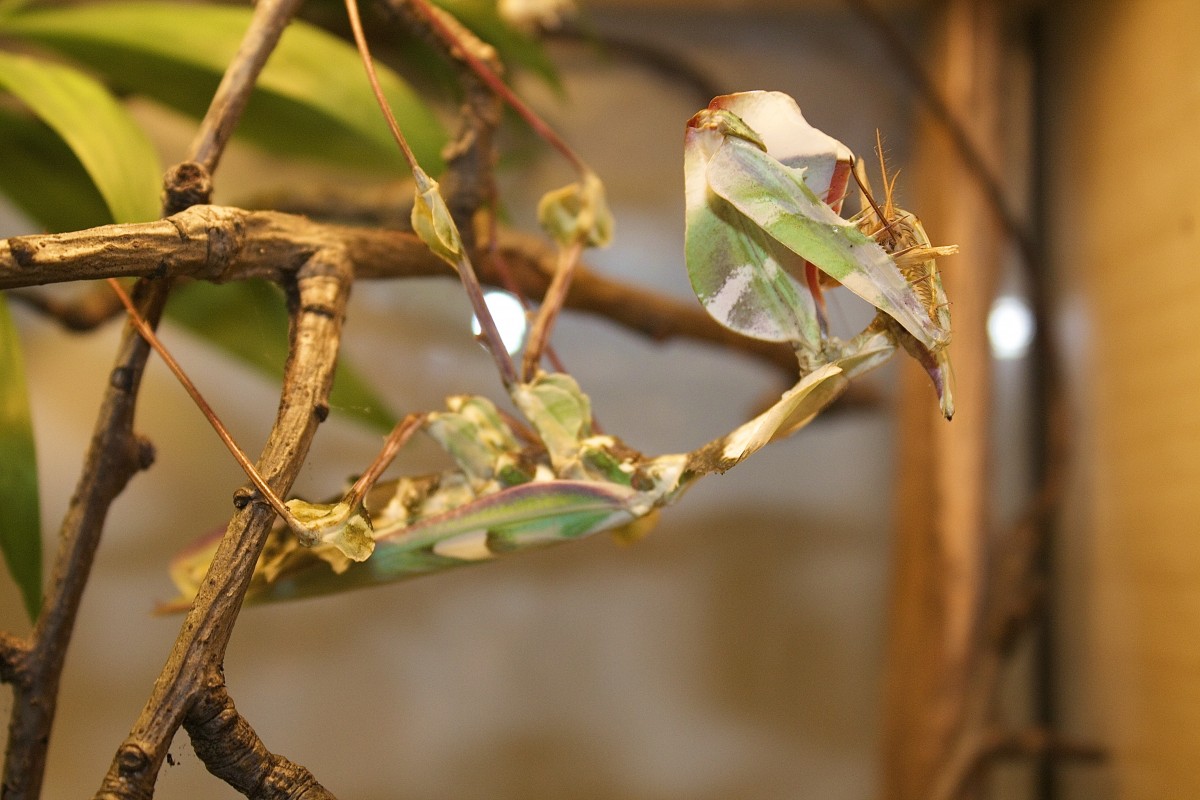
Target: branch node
(132, 760)
(143, 452)
(122, 379)
(243, 497)
(231, 750)
(13, 657)
(24, 252)
(186, 184)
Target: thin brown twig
(440, 23)
(508, 282)
(427, 188)
(360, 41)
(225, 109)
(222, 432)
(556, 294)
(401, 433)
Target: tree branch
(218, 243)
(233, 751)
(320, 294)
(225, 110)
(86, 312)
(115, 453)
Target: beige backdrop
(735, 652)
(1123, 166)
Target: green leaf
(41, 172)
(110, 145)
(249, 321)
(313, 98)
(21, 531)
(11, 6)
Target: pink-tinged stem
(247, 466)
(466, 271)
(399, 436)
(498, 86)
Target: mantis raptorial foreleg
(903, 235)
(756, 172)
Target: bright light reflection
(1010, 327)
(509, 316)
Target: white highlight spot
(1010, 328)
(469, 546)
(509, 315)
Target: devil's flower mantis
(763, 191)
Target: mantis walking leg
(344, 523)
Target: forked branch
(115, 453)
(321, 290)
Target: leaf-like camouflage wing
(775, 197)
(742, 276)
(749, 183)
(519, 518)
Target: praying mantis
(764, 236)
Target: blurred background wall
(1123, 78)
(735, 652)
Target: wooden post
(937, 585)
